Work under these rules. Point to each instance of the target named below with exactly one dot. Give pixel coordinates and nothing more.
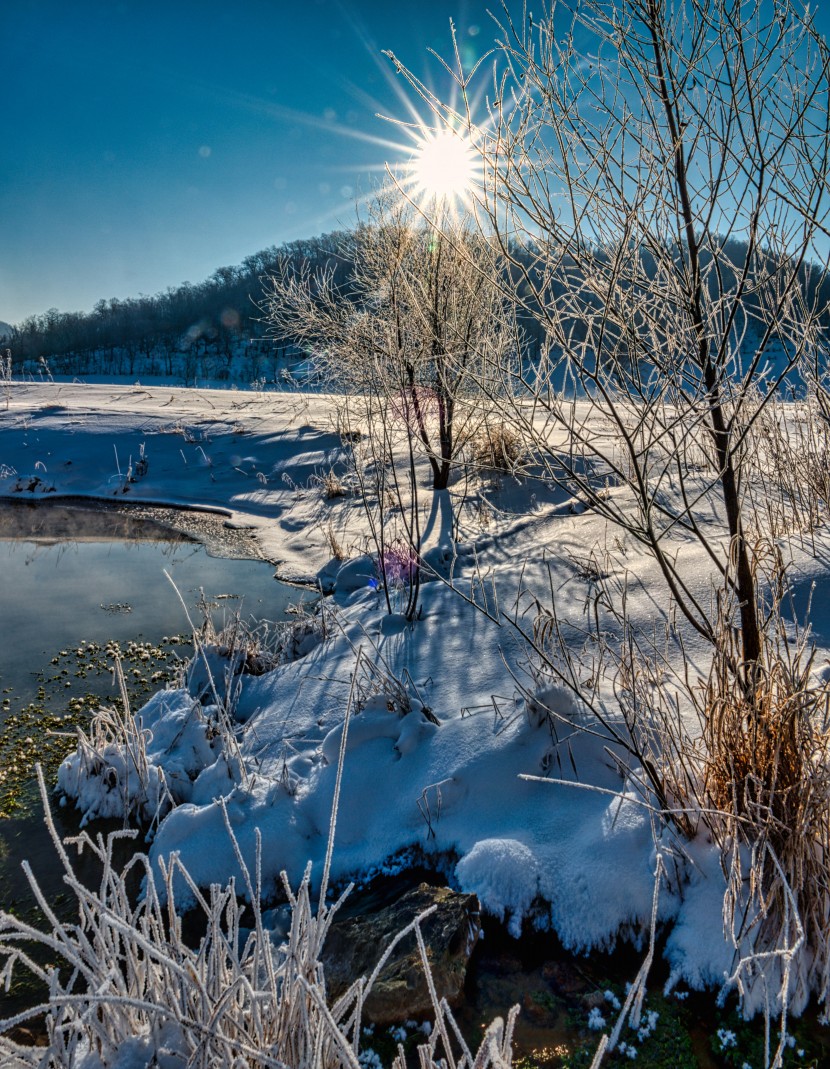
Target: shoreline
(207, 526)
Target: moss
(736, 1042)
(668, 1045)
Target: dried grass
(765, 794)
(114, 752)
(335, 545)
(127, 987)
(331, 485)
(497, 448)
(757, 779)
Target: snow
(454, 711)
(504, 874)
(178, 750)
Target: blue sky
(148, 142)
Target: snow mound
(504, 874)
(152, 768)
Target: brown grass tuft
(764, 795)
(497, 448)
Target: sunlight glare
(444, 166)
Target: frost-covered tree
(421, 324)
(656, 173)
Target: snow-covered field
(450, 711)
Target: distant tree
(125, 330)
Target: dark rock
(539, 1008)
(503, 965)
(355, 945)
(28, 1037)
(593, 1000)
(564, 978)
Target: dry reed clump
(765, 796)
(113, 753)
(257, 647)
(331, 485)
(497, 448)
(757, 780)
(338, 551)
(249, 647)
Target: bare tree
(422, 324)
(656, 174)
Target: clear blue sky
(148, 142)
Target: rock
(355, 945)
(504, 965)
(564, 978)
(593, 1000)
(539, 1008)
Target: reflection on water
(78, 577)
(106, 580)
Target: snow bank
(504, 874)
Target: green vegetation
(72, 688)
(736, 1042)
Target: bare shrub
(422, 324)
(789, 463)
(674, 303)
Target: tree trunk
(741, 578)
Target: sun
(444, 166)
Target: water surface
(106, 580)
(72, 581)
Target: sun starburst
(443, 168)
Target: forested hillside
(215, 329)
(173, 332)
